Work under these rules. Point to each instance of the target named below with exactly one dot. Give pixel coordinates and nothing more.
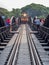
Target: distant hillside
(36, 9)
(14, 12)
(32, 10)
(4, 11)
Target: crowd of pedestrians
(42, 21)
(8, 22)
(38, 22)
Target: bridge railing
(43, 32)
(4, 28)
(6, 31)
(42, 28)
(45, 29)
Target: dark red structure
(24, 18)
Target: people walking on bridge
(37, 22)
(17, 22)
(7, 21)
(34, 20)
(42, 22)
(12, 21)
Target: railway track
(24, 49)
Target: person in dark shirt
(46, 24)
(13, 20)
(2, 23)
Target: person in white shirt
(37, 22)
(11, 23)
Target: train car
(24, 18)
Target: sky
(9, 4)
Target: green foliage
(32, 10)
(4, 12)
(36, 10)
(14, 12)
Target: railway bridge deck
(24, 47)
